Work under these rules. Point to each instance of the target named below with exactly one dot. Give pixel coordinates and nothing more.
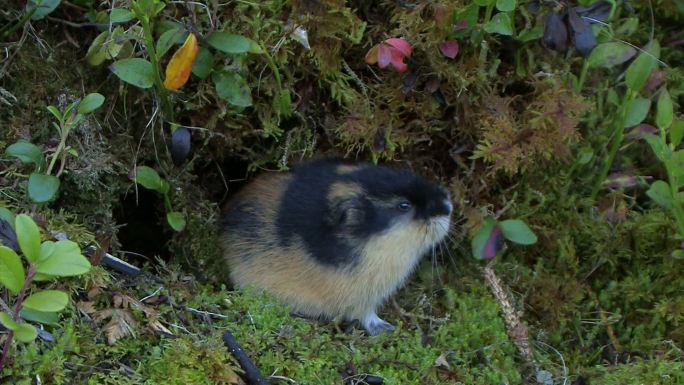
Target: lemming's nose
(439, 208)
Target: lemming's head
(336, 207)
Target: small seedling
(150, 179)
(667, 193)
(632, 109)
(42, 185)
(42, 262)
(489, 239)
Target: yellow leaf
(179, 68)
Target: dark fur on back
(331, 229)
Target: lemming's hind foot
(375, 325)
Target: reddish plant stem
(17, 311)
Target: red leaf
(402, 45)
(461, 25)
(384, 55)
(397, 60)
(449, 48)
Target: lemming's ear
(346, 212)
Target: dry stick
(517, 330)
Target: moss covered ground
(500, 101)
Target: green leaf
(676, 132)
(47, 301)
(233, 88)
(638, 72)
(584, 156)
(480, 239)
(28, 237)
(26, 152)
(107, 46)
(90, 103)
(231, 43)
(11, 270)
(7, 216)
(505, 5)
(660, 193)
(96, 54)
(660, 149)
(46, 318)
(42, 188)
(204, 63)
(176, 220)
(678, 254)
(135, 71)
(664, 111)
(501, 23)
(120, 15)
(65, 260)
(518, 232)
(25, 333)
(47, 248)
(637, 109)
(42, 7)
(534, 33)
(484, 3)
(610, 54)
(55, 112)
(7, 321)
(150, 179)
(168, 39)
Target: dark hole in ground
(144, 233)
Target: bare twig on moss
(517, 330)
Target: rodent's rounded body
(333, 238)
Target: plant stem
(20, 23)
(488, 12)
(17, 311)
(583, 76)
(60, 147)
(167, 110)
(619, 131)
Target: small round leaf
(47, 301)
(518, 232)
(28, 236)
(66, 260)
(26, 152)
(25, 333)
(42, 188)
(176, 220)
(11, 270)
(136, 71)
(91, 103)
(7, 321)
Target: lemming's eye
(404, 206)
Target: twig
(252, 374)
(517, 330)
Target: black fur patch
(332, 231)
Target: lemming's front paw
(375, 325)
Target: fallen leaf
(402, 45)
(449, 48)
(442, 361)
(179, 68)
(121, 323)
(86, 307)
